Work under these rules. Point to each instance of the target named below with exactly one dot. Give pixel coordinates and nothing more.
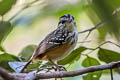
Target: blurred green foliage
(5, 58)
(2, 49)
(103, 11)
(5, 28)
(27, 52)
(5, 6)
(96, 10)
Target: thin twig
(100, 23)
(86, 36)
(111, 74)
(90, 30)
(95, 27)
(93, 49)
(84, 41)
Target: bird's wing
(52, 41)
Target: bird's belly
(59, 53)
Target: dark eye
(63, 22)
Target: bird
(59, 43)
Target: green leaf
(35, 65)
(102, 33)
(89, 61)
(2, 49)
(5, 58)
(27, 52)
(93, 76)
(6, 5)
(5, 28)
(74, 56)
(107, 56)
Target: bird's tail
(26, 65)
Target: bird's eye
(63, 22)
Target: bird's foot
(59, 68)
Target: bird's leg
(58, 67)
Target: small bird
(59, 43)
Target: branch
(5, 75)
(61, 74)
(78, 72)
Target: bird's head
(67, 22)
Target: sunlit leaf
(5, 58)
(17, 66)
(92, 76)
(5, 6)
(27, 52)
(74, 56)
(108, 55)
(87, 62)
(5, 28)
